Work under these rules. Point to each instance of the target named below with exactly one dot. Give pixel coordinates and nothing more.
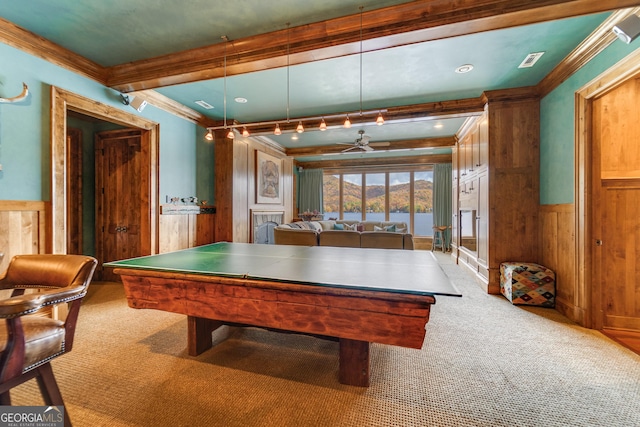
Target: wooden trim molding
(593, 45)
(61, 101)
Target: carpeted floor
(484, 362)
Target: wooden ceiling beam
(378, 161)
(408, 23)
(408, 144)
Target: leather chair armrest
(30, 303)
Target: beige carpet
(484, 363)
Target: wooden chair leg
(50, 391)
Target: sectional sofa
(364, 234)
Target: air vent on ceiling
(530, 60)
(204, 104)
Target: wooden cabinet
(498, 189)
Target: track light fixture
(209, 135)
(277, 130)
(245, 132)
(380, 120)
(347, 122)
(300, 128)
(323, 125)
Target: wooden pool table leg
(354, 362)
(199, 334)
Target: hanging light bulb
(230, 134)
(209, 135)
(300, 128)
(323, 125)
(347, 122)
(245, 132)
(380, 119)
(277, 131)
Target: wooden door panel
(615, 209)
(74, 191)
(120, 198)
(621, 256)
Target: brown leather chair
(29, 343)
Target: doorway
(607, 191)
(63, 102)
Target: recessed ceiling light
(204, 104)
(241, 100)
(464, 68)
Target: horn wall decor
(22, 96)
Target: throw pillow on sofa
(338, 226)
(390, 228)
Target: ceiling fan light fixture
(323, 125)
(277, 130)
(209, 135)
(245, 132)
(380, 120)
(347, 122)
(300, 128)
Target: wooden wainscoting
(22, 228)
(558, 252)
(186, 231)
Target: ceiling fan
(362, 143)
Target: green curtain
(442, 205)
(310, 190)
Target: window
(375, 196)
(352, 197)
(398, 195)
(423, 203)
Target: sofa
(345, 233)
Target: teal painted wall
(25, 133)
(557, 126)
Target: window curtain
(442, 204)
(310, 190)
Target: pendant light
(300, 128)
(245, 132)
(277, 131)
(230, 133)
(323, 125)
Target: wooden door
(121, 197)
(74, 191)
(616, 208)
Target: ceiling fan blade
(348, 149)
(365, 139)
(379, 144)
(366, 148)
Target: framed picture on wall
(268, 178)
